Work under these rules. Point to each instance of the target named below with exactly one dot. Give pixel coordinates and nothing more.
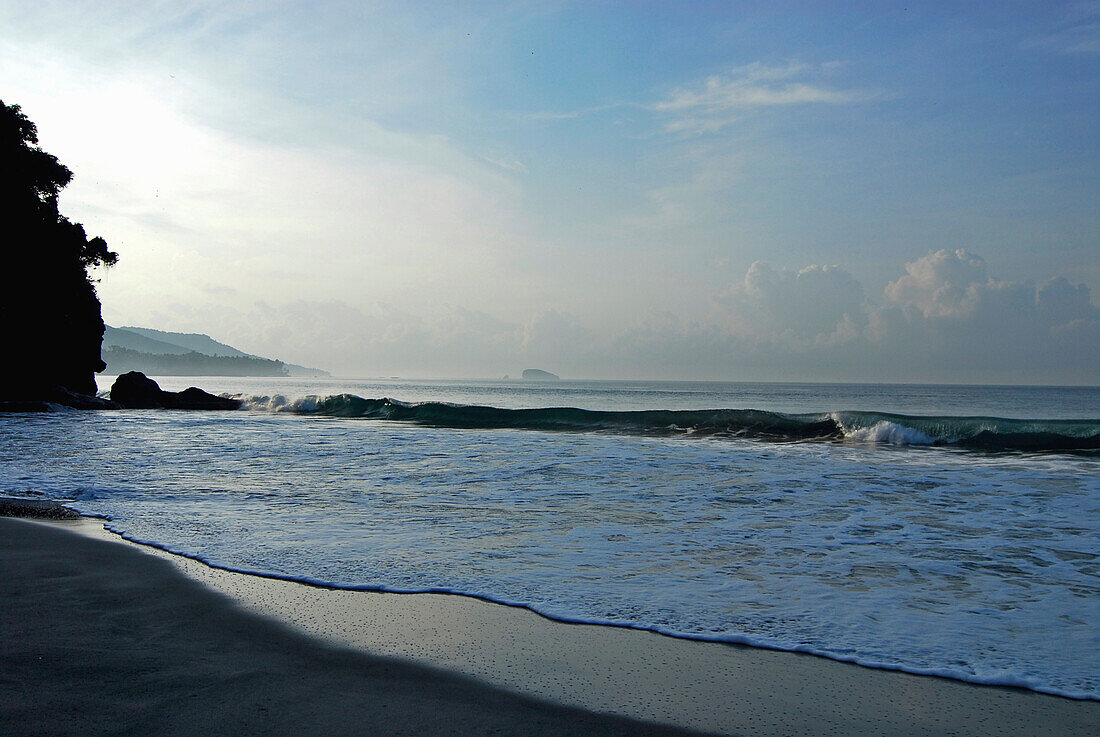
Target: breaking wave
(984, 433)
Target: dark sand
(100, 637)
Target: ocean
(946, 530)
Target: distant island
(162, 353)
(539, 375)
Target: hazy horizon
(757, 192)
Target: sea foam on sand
(705, 686)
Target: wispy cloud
(573, 114)
(506, 163)
(1077, 33)
(723, 99)
(1081, 39)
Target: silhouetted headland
(53, 324)
(163, 353)
(52, 321)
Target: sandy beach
(105, 637)
(100, 639)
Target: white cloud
(723, 99)
(940, 284)
(945, 319)
(948, 314)
(574, 114)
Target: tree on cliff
(49, 312)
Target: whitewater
(952, 531)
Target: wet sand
(104, 637)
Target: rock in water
(135, 390)
(47, 397)
(195, 398)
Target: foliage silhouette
(121, 360)
(49, 312)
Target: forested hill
(179, 342)
(158, 352)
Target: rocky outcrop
(195, 398)
(48, 398)
(35, 509)
(135, 390)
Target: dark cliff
(50, 315)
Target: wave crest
(982, 433)
(892, 433)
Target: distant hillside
(196, 342)
(133, 341)
(293, 369)
(159, 352)
(121, 360)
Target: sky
(892, 192)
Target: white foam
(957, 564)
(84, 495)
(279, 403)
(885, 431)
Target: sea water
(940, 530)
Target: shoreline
(584, 668)
(99, 638)
(211, 574)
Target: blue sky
(634, 190)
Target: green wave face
(986, 433)
(979, 433)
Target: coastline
(434, 646)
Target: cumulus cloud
(941, 284)
(947, 309)
(951, 290)
(944, 319)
